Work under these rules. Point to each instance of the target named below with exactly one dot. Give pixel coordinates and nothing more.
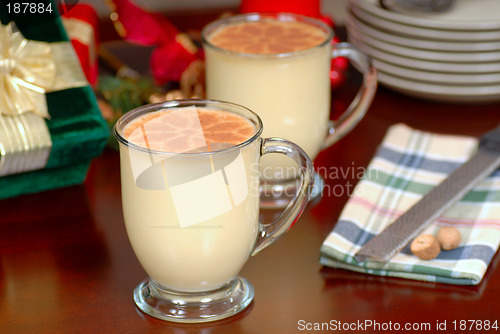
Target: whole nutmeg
(426, 247)
(449, 238)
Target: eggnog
(280, 69)
(190, 194)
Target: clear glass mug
(193, 218)
(290, 91)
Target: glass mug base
(194, 307)
(277, 194)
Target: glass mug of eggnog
(190, 197)
(278, 65)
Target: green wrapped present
(50, 125)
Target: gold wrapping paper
(28, 70)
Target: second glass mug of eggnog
(278, 65)
(190, 195)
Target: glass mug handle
(269, 233)
(358, 107)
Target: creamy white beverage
(278, 68)
(191, 212)
(190, 201)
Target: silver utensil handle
(491, 141)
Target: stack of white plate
(450, 57)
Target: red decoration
(174, 52)
(84, 41)
(304, 7)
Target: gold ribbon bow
(28, 70)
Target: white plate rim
(438, 78)
(426, 22)
(428, 33)
(423, 44)
(440, 92)
(425, 64)
(451, 57)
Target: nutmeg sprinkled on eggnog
(267, 37)
(189, 130)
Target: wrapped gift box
(50, 125)
(80, 24)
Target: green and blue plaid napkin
(407, 165)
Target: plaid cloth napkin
(407, 165)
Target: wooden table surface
(66, 265)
